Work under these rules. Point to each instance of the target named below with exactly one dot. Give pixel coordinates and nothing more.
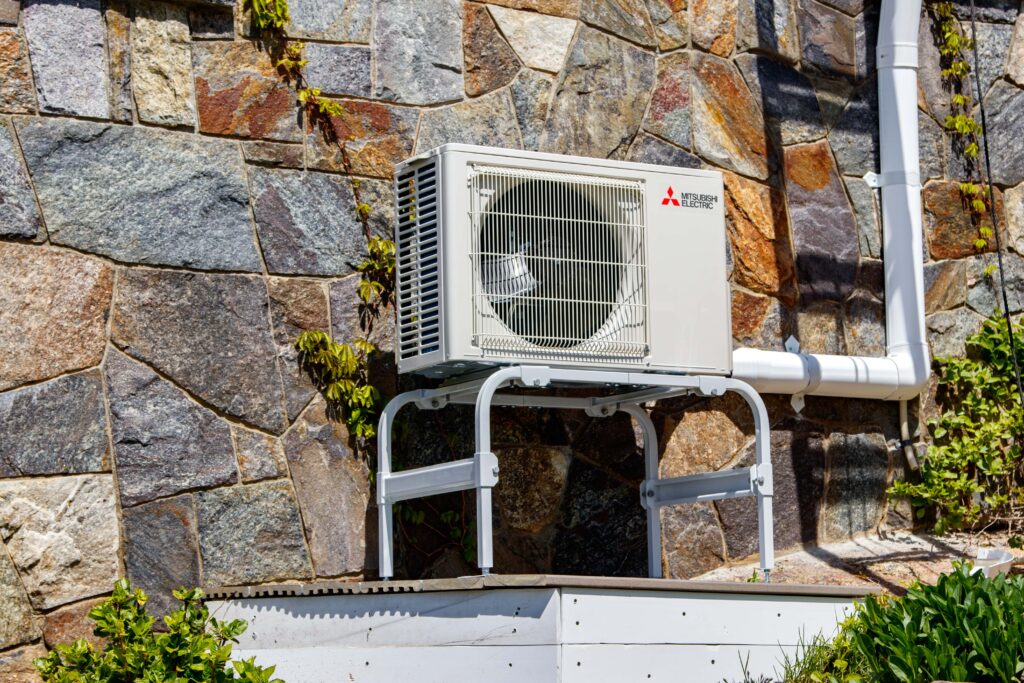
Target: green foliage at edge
(964, 628)
(339, 372)
(196, 648)
(970, 476)
(269, 14)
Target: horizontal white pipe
(903, 372)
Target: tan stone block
(240, 92)
(759, 234)
(705, 437)
(119, 47)
(728, 124)
(17, 623)
(53, 312)
(558, 8)
(71, 623)
(16, 665)
(714, 25)
(17, 95)
(819, 329)
(161, 64)
(490, 62)
(62, 534)
(540, 41)
(748, 313)
(378, 137)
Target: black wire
(992, 205)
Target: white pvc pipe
(903, 372)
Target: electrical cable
(992, 206)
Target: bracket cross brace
(477, 472)
(699, 488)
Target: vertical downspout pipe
(903, 373)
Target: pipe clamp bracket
(878, 180)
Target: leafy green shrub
(971, 475)
(964, 628)
(195, 649)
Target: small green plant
(196, 648)
(747, 676)
(269, 14)
(821, 660)
(960, 122)
(339, 372)
(971, 474)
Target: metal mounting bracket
(481, 472)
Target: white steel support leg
(483, 455)
(650, 473)
(764, 482)
(385, 509)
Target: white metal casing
(687, 323)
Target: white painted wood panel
(474, 617)
(650, 617)
(667, 663)
(451, 664)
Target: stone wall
(168, 225)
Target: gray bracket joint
(485, 470)
(761, 481)
(432, 403)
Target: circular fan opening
(552, 261)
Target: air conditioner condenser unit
(513, 257)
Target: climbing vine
(339, 370)
(973, 474)
(960, 122)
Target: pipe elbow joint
(913, 365)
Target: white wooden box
(543, 629)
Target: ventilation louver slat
(418, 262)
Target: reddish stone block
(949, 225)
(16, 93)
(240, 92)
(377, 136)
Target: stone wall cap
(518, 581)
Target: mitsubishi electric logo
(669, 198)
(691, 200)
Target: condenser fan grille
(559, 263)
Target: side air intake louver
(418, 261)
